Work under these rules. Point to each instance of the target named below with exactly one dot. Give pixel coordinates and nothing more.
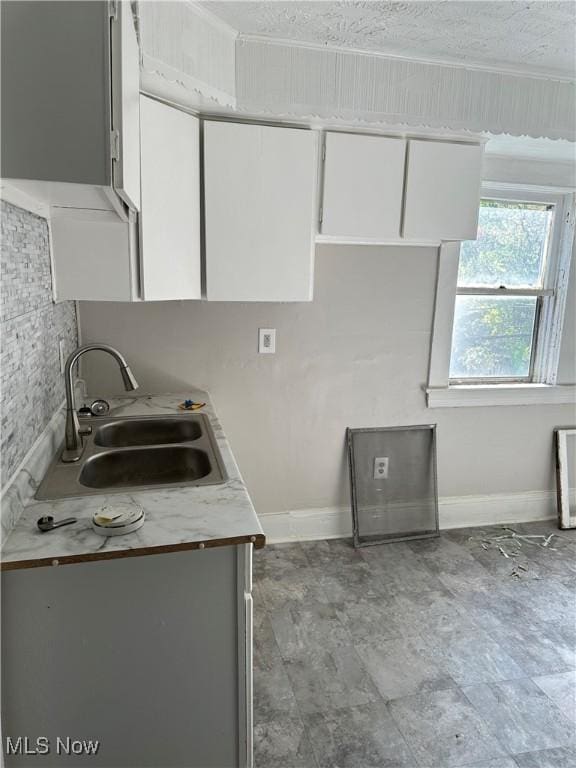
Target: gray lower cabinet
(150, 656)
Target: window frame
(544, 295)
(443, 391)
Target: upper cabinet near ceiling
(370, 194)
(170, 216)
(442, 191)
(260, 212)
(99, 256)
(363, 180)
(70, 112)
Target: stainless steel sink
(128, 432)
(138, 453)
(145, 466)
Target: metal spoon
(46, 523)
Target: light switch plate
(267, 341)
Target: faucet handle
(85, 429)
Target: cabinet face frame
(125, 99)
(362, 186)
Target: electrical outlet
(381, 468)
(267, 341)
(62, 353)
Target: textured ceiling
(526, 35)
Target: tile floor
(422, 654)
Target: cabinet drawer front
(363, 181)
(442, 191)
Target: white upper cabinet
(94, 255)
(170, 217)
(442, 191)
(260, 209)
(70, 103)
(363, 181)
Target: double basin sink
(138, 453)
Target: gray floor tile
(399, 668)
(331, 681)
(544, 650)
(400, 568)
(356, 583)
(495, 609)
(283, 743)
(549, 599)
(370, 620)
(308, 630)
(361, 737)
(453, 564)
(331, 552)
(553, 561)
(422, 617)
(470, 657)
(278, 559)
(561, 688)
(429, 612)
(562, 757)
(443, 729)
(273, 693)
(521, 715)
(277, 592)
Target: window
(500, 303)
(503, 286)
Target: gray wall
(31, 326)
(356, 356)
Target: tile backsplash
(31, 326)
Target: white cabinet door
(260, 200)
(442, 191)
(94, 255)
(363, 181)
(170, 217)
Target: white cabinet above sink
(260, 211)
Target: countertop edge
(258, 540)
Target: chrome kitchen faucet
(74, 432)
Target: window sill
(481, 395)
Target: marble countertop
(176, 518)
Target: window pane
(511, 245)
(492, 337)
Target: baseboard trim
(454, 512)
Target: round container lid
(117, 515)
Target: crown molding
(541, 74)
(336, 84)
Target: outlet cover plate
(381, 468)
(267, 341)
